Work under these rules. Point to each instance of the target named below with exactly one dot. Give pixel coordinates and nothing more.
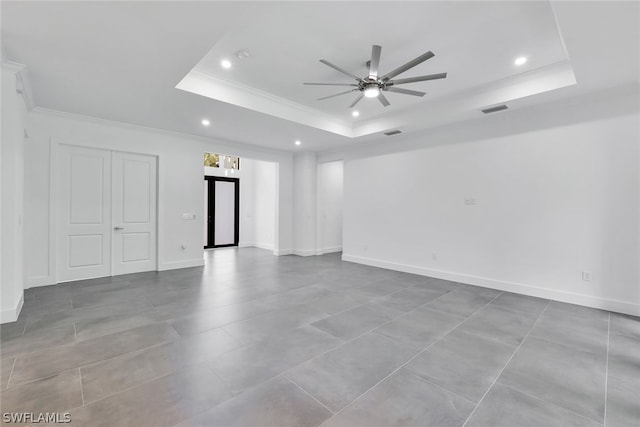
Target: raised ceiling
(157, 64)
(477, 47)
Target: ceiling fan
(373, 85)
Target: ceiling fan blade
(418, 79)
(383, 100)
(330, 84)
(405, 91)
(337, 94)
(342, 70)
(401, 69)
(375, 61)
(353, 104)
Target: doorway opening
(222, 212)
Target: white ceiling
(123, 60)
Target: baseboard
(199, 262)
(519, 288)
(279, 252)
(329, 250)
(34, 282)
(11, 314)
(304, 252)
(263, 246)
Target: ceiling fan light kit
(372, 86)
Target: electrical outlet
(434, 256)
(586, 276)
(470, 201)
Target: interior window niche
(214, 160)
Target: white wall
(557, 194)
(305, 201)
(179, 187)
(14, 114)
(329, 222)
(264, 204)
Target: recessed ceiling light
(521, 61)
(225, 63)
(298, 142)
(205, 122)
(355, 113)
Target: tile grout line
(549, 403)
(414, 356)
(506, 364)
(606, 371)
(81, 387)
(310, 395)
(15, 359)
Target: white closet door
(224, 220)
(134, 213)
(84, 213)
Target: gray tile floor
(257, 340)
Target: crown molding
(23, 85)
(130, 126)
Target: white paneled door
(106, 213)
(134, 213)
(84, 214)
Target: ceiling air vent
(494, 109)
(393, 132)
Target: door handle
(118, 228)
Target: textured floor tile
(623, 385)
(461, 302)
(351, 323)
(274, 323)
(37, 340)
(493, 322)
(103, 298)
(66, 317)
(216, 317)
(565, 376)
(39, 307)
(338, 301)
(58, 359)
(12, 329)
(249, 366)
(585, 313)
(165, 401)
(58, 393)
(276, 403)
(623, 402)
(339, 376)
(624, 357)
(562, 327)
(625, 325)
(506, 407)
(112, 324)
(520, 303)
(420, 327)
(410, 298)
(464, 364)
(116, 374)
(405, 400)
